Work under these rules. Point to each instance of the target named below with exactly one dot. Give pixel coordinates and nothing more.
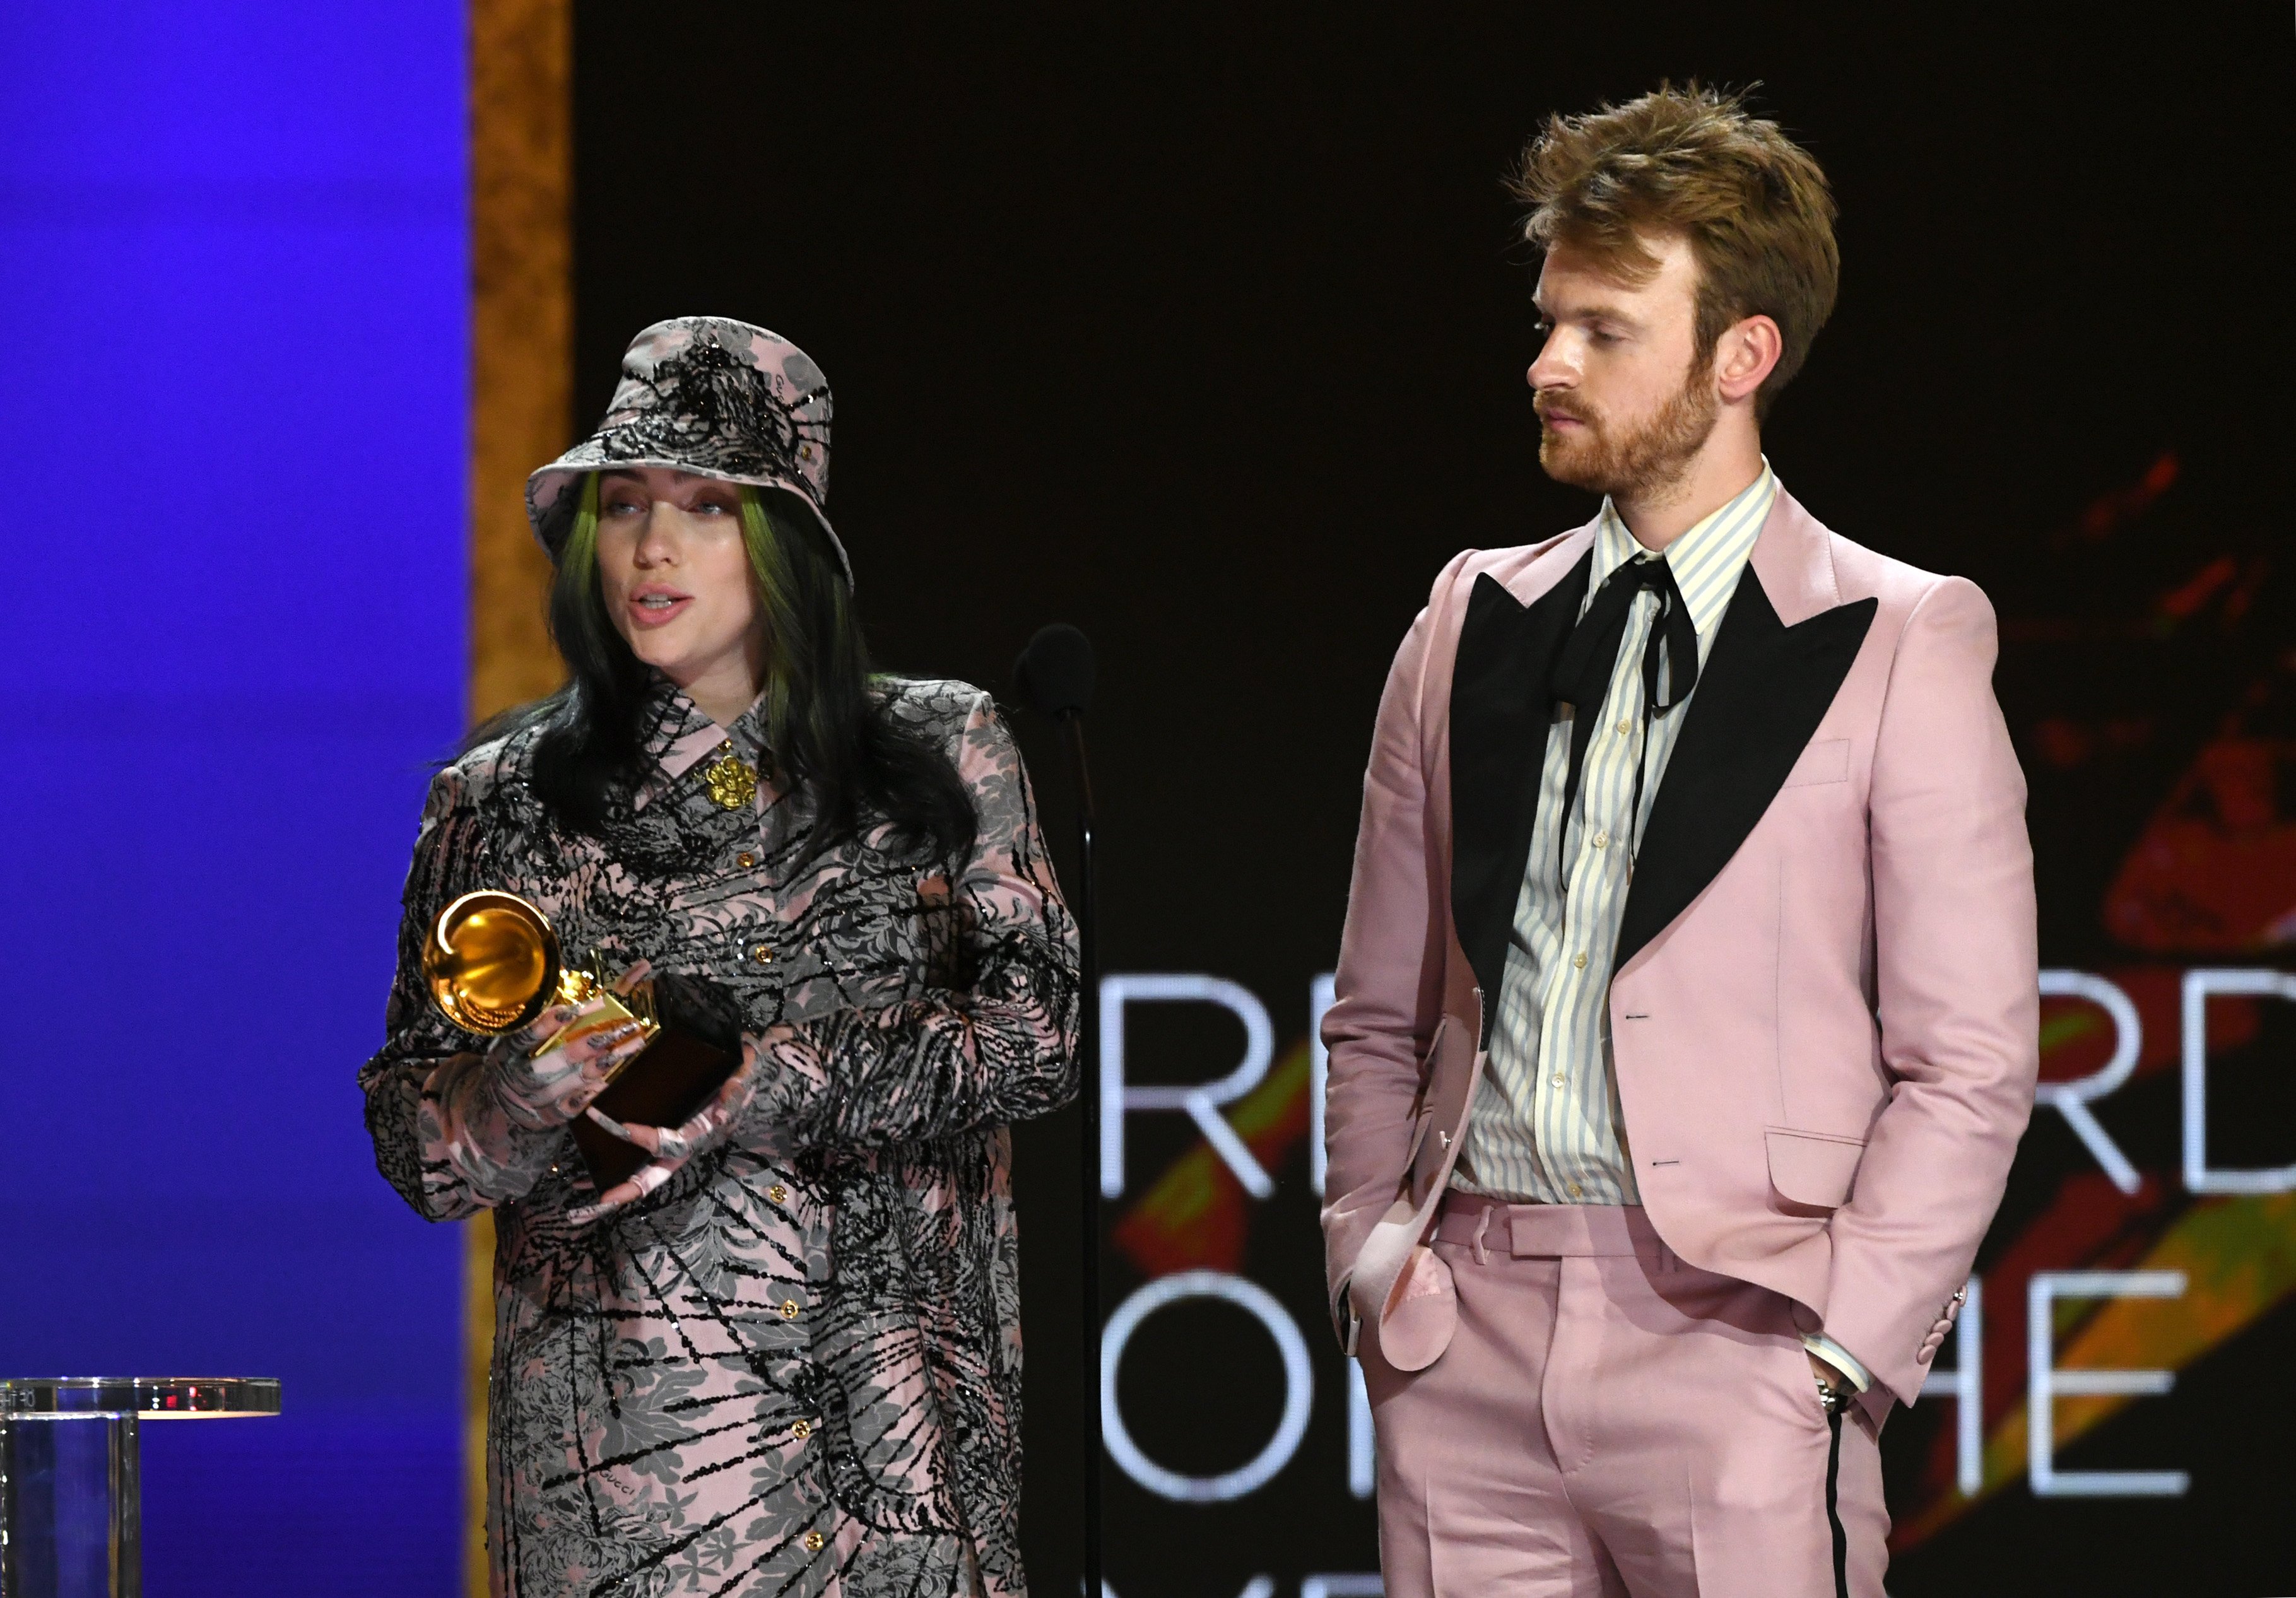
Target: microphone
(1056, 672)
(1056, 675)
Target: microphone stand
(1056, 672)
(1072, 724)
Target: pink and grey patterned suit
(796, 1369)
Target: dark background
(1204, 327)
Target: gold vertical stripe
(521, 385)
(522, 329)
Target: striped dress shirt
(1546, 1128)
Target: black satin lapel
(1765, 688)
(1501, 708)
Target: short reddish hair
(1691, 161)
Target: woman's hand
(672, 1146)
(549, 1089)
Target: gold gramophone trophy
(493, 964)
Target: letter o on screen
(1299, 1387)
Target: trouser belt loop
(1482, 1224)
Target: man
(1685, 1019)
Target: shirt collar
(1707, 560)
(679, 736)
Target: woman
(784, 1357)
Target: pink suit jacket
(1824, 1015)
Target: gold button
(1574, 1189)
(1601, 840)
(805, 452)
(789, 1309)
(745, 859)
(1579, 961)
(813, 1542)
(764, 954)
(802, 1430)
(777, 1193)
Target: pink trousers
(1608, 1420)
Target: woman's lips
(657, 609)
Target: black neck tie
(1582, 676)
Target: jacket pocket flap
(1813, 1167)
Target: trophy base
(670, 1078)
(608, 1011)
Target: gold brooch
(732, 781)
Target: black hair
(828, 722)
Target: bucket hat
(711, 396)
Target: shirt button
(1574, 1189)
(1625, 728)
(745, 859)
(814, 1541)
(789, 1309)
(802, 1430)
(1579, 961)
(764, 954)
(1561, 1080)
(777, 1193)
(1601, 840)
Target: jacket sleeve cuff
(1841, 1359)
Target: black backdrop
(1204, 327)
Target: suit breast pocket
(1825, 761)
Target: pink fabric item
(1397, 1281)
(1609, 1420)
(1827, 1060)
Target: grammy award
(493, 964)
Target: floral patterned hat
(711, 396)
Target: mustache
(1548, 407)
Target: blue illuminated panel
(233, 322)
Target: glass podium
(71, 1507)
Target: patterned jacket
(795, 1369)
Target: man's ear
(1745, 356)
